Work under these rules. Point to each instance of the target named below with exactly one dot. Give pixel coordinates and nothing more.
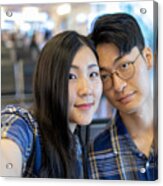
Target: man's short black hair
(121, 29)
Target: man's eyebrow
(116, 60)
(104, 69)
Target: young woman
(67, 88)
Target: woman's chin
(84, 122)
(81, 119)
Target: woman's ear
(148, 57)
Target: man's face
(126, 94)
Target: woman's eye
(72, 76)
(94, 74)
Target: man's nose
(84, 87)
(118, 83)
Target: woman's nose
(84, 87)
(118, 83)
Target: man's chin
(128, 110)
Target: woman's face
(85, 87)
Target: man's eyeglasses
(124, 70)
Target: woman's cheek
(71, 95)
(98, 88)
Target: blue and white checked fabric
(19, 125)
(114, 156)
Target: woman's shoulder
(20, 126)
(14, 109)
(17, 121)
(13, 113)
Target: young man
(126, 150)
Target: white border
(57, 182)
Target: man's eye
(124, 66)
(72, 76)
(94, 74)
(105, 76)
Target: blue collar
(121, 128)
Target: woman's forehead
(84, 57)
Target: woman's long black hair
(51, 103)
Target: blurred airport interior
(26, 28)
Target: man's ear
(148, 57)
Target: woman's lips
(127, 98)
(85, 106)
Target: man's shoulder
(103, 140)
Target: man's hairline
(120, 56)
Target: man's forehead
(105, 50)
(107, 46)
(109, 56)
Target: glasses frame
(115, 72)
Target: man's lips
(84, 106)
(127, 98)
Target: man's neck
(140, 126)
(140, 120)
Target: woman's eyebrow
(74, 66)
(89, 66)
(93, 65)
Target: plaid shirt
(19, 126)
(114, 156)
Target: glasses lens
(126, 71)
